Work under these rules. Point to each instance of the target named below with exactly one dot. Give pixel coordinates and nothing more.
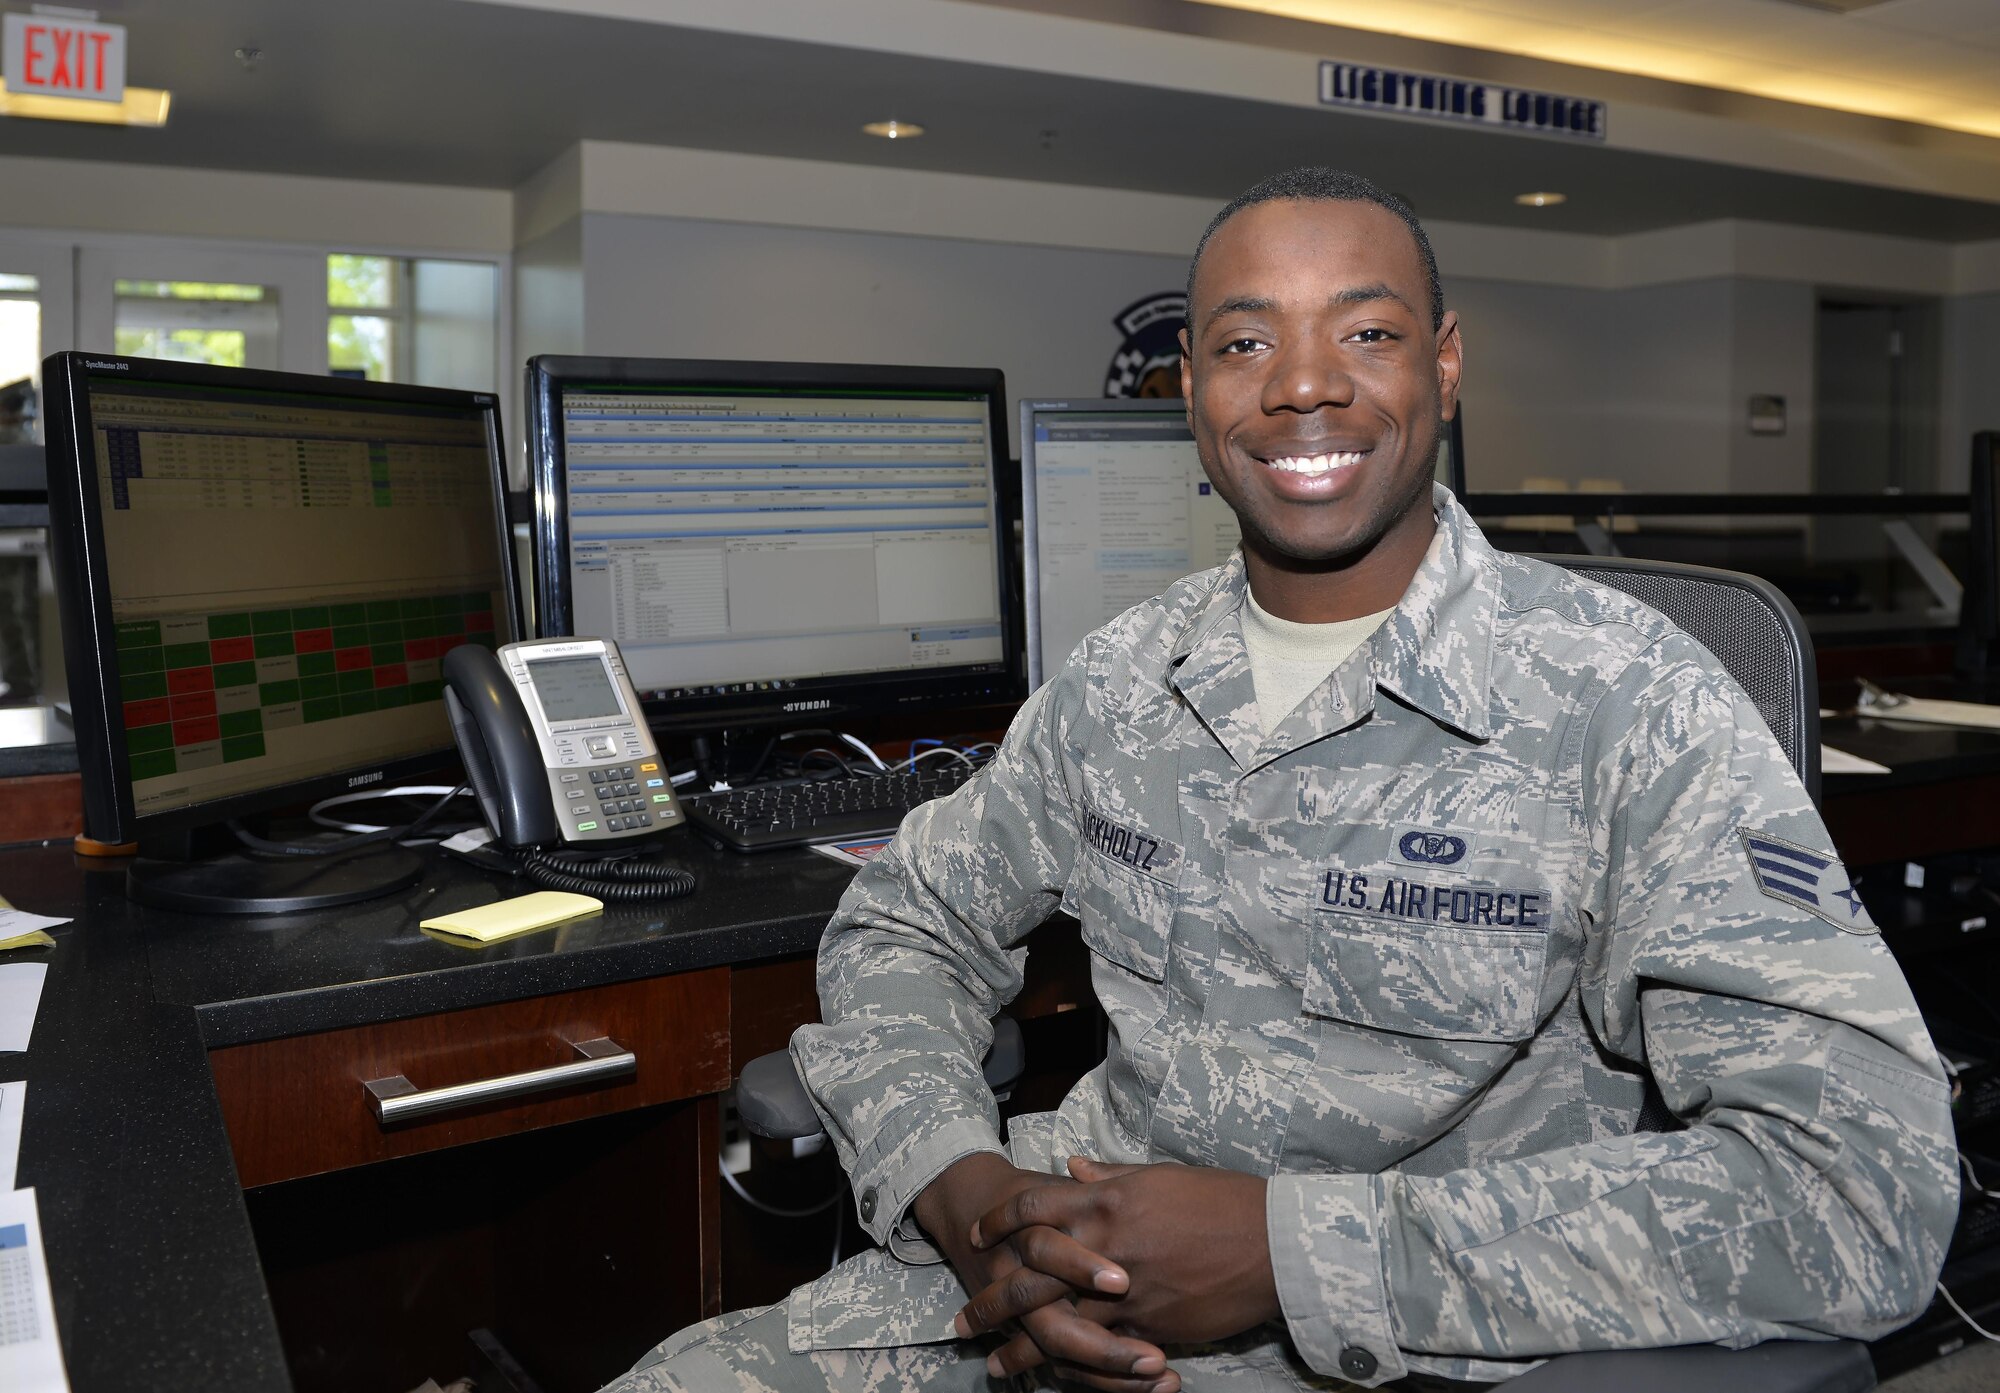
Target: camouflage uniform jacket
(1412, 955)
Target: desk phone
(554, 744)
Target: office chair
(1759, 639)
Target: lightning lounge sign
(1403, 93)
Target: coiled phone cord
(614, 879)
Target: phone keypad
(618, 799)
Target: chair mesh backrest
(1749, 627)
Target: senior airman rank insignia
(1815, 881)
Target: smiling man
(1456, 868)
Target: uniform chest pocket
(1427, 979)
(1126, 914)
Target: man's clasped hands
(1101, 1269)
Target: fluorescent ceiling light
(894, 130)
(1495, 26)
(143, 106)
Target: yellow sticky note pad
(524, 914)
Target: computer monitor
(258, 574)
(774, 542)
(1116, 508)
(1979, 607)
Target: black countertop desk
(155, 1274)
(1915, 753)
(1941, 794)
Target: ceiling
(461, 93)
(1932, 61)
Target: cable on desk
(317, 811)
(1977, 1328)
(773, 1209)
(911, 762)
(867, 753)
(617, 880)
(834, 755)
(1972, 1177)
(345, 844)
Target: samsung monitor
(258, 574)
(772, 542)
(1116, 508)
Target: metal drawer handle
(396, 1099)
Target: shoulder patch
(1815, 881)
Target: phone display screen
(574, 689)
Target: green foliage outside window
(360, 341)
(187, 290)
(221, 347)
(361, 282)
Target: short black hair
(1321, 184)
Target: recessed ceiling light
(894, 130)
(1540, 200)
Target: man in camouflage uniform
(1388, 972)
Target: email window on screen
(1122, 510)
(726, 538)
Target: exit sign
(58, 55)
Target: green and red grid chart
(204, 689)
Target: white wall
(1534, 386)
(675, 287)
(1771, 354)
(93, 196)
(548, 293)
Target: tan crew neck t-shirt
(1289, 659)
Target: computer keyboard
(793, 812)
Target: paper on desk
(1929, 711)
(13, 1098)
(852, 853)
(1832, 761)
(30, 1354)
(20, 929)
(20, 994)
(471, 839)
(522, 914)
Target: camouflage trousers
(767, 1350)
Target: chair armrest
(1776, 1366)
(772, 1101)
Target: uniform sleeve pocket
(1126, 915)
(1427, 979)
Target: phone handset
(503, 758)
(556, 750)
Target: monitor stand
(236, 883)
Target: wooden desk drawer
(298, 1106)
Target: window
(410, 319)
(20, 357)
(367, 311)
(227, 325)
